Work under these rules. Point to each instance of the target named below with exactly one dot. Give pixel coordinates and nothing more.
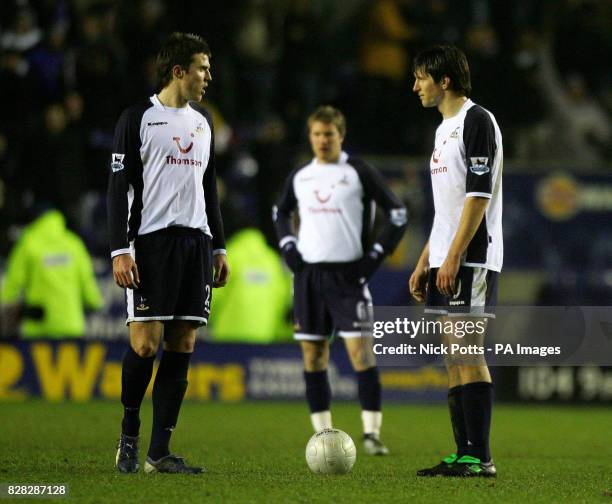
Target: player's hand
(125, 271)
(447, 276)
(292, 257)
(418, 282)
(222, 270)
(368, 264)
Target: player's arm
(282, 216)
(480, 148)
(376, 188)
(125, 156)
(418, 279)
(473, 212)
(215, 222)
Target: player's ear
(177, 71)
(445, 82)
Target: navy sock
(168, 392)
(368, 384)
(455, 406)
(477, 401)
(318, 392)
(136, 374)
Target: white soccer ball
(331, 451)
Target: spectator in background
(48, 65)
(258, 281)
(301, 65)
(102, 79)
(384, 65)
(24, 32)
(577, 129)
(49, 281)
(257, 52)
(57, 163)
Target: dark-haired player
(167, 242)
(457, 272)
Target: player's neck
(170, 96)
(451, 105)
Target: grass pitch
(254, 452)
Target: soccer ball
(330, 451)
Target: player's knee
(362, 358)
(145, 349)
(315, 361)
(183, 345)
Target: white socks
(321, 420)
(372, 421)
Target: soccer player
(457, 271)
(334, 197)
(167, 242)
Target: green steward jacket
(50, 268)
(254, 305)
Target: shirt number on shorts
(207, 300)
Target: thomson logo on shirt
(179, 161)
(435, 171)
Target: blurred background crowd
(69, 67)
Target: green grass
(254, 452)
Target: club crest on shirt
(117, 162)
(479, 165)
(455, 133)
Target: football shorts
(176, 276)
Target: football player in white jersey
(332, 257)
(456, 274)
(167, 242)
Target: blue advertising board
(80, 371)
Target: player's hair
(328, 115)
(178, 49)
(445, 61)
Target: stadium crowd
(68, 67)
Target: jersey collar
(173, 110)
(341, 160)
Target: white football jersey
(162, 174)
(335, 203)
(467, 161)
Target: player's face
(197, 77)
(430, 92)
(326, 141)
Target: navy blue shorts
(475, 294)
(176, 276)
(329, 299)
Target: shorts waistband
(332, 266)
(175, 231)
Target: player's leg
(192, 260)
(137, 368)
(436, 303)
(318, 392)
(477, 402)
(363, 360)
(474, 376)
(168, 393)
(350, 306)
